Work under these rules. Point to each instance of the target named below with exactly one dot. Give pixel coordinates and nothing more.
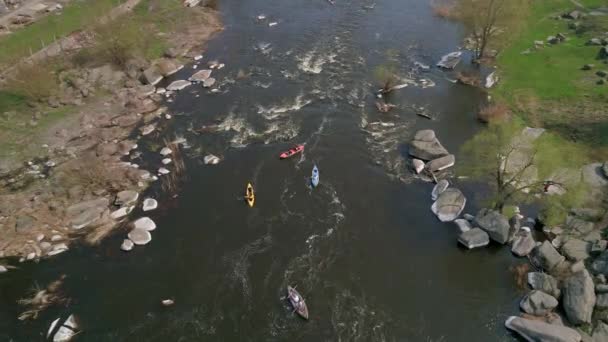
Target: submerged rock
(538, 303)
(210, 159)
(165, 151)
(449, 205)
(536, 331)
(450, 60)
(209, 82)
(545, 283)
(495, 224)
(439, 188)
(67, 330)
(474, 238)
(579, 297)
(200, 76)
(178, 85)
(86, 213)
(140, 236)
(163, 171)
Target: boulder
(144, 223)
(538, 331)
(140, 236)
(152, 76)
(463, 225)
(418, 165)
(494, 223)
(491, 80)
(605, 169)
(166, 161)
(3, 269)
(120, 213)
(474, 238)
(163, 171)
(66, 331)
(209, 82)
(171, 53)
(439, 188)
(425, 146)
(149, 204)
(593, 175)
(598, 246)
(587, 67)
(450, 60)
(594, 41)
(126, 197)
(126, 245)
(546, 256)
(449, 205)
(601, 73)
(24, 223)
(601, 301)
(523, 243)
(178, 85)
(581, 226)
(600, 264)
(200, 76)
(210, 159)
(573, 15)
(600, 333)
(86, 213)
(544, 282)
(147, 129)
(575, 249)
(538, 303)
(168, 67)
(603, 54)
(165, 151)
(579, 297)
(441, 163)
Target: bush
(494, 113)
(386, 77)
(120, 40)
(37, 81)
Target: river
(364, 248)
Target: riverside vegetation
(551, 58)
(70, 109)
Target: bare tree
(485, 20)
(519, 165)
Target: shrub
(494, 113)
(37, 81)
(121, 40)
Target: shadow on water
(364, 249)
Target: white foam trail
(313, 62)
(274, 112)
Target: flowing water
(372, 261)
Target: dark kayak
(297, 302)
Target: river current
(364, 248)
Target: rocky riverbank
(87, 178)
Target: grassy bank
(76, 15)
(547, 86)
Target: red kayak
(293, 151)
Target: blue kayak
(314, 180)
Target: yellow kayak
(249, 195)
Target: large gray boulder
(449, 205)
(545, 283)
(538, 303)
(178, 85)
(140, 236)
(425, 146)
(601, 301)
(439, 188)
(579, 297)
(464, 225)
(144, 223)
(600, 333)
(126, 197)
(546, 256)
(576, 250)
(200, 76)
(152, 76)
(474, 238)
(538, 331)
(579, 225)
(494, 223)
(523, 243)
(86, 213)
(441, 163)
(600, 264)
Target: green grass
(10, 101)
(552, 72)
(75, 16)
